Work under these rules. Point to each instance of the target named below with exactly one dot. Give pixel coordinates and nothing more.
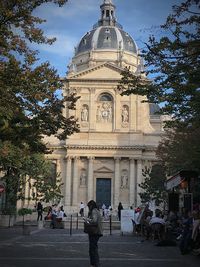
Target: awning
(179, 177)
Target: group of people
(55, 214)
(182, 226)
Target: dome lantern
(107, 14)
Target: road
(55, 247)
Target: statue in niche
(84, 114)
(125, 115)
(83, 179)
(124, 180)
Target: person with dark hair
(94, 218)
(39, 211)
(120, 207)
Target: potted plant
(7, 217)
(23, 212)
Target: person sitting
(60, 215)
(157, 219)
(157, 225)
(53, 216)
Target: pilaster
(117, 181)
(90, 178)
(132, 182)
(68, 181)
(75, 182)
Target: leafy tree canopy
(29, 104)
(173, 60)
(153, 185)
(180, 149)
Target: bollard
(110, 220)
(70, 228)
(77, 221)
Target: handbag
(91, 229)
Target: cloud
(72, 10)
(63, 46)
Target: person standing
(82, 206)
(94, 217)
(120, 207)
(39, 211)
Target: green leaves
(173, 60)
(153, 185)
(29, 104)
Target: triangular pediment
(103, 170)
(103, 71)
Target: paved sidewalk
(52, 247)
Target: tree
(180, 150)
(29, 104)
(173, 61)
(153, 185)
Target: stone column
(68, 181)
(90, 179)
(75, 182)
(132, 182)
(139, 180)
(117, 182)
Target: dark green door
(103, 192)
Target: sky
(69, 24)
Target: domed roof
(107, 33)
(107, 37)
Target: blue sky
(69, 23)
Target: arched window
(105, 97)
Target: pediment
(104, 170)
(102, 71)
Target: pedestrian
(54, 214)
(120, 207)
(39, 211)
(94, 218)
(103, 209)
(82, 206)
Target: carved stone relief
(104, 112)
(83, 178)
(124, 179)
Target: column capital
(92, 90)
(76, 158)
(117, 159)
(91, 158)
(68, 158)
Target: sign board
(173, 182)
(2, 188)
(126, 221)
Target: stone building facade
(118, 134)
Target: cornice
(89, 70)
(107, 147)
